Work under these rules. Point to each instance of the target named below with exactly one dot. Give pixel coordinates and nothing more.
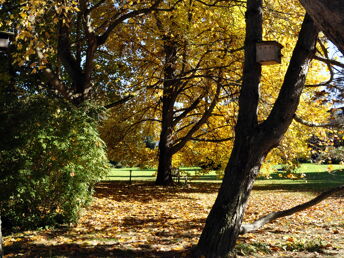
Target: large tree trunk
(253, 141)
(164, 176)
(223, 223)
(329, 17)
(165, 166)
(168, 100)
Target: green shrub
(50, 158)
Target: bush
(50, 158)
(332, 155)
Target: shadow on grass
(147, 191)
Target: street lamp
(5, 39)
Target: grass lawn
(317, 177)
(143, 220)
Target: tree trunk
(329, 18)
(223, 223)
(168, 100)
(164, 176)
(165, 165)
(253, 141)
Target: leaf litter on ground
(143, 220)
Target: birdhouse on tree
(5, 39)
(268, 52)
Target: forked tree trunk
(253, 141)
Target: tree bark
(253, 141)
(329, 18)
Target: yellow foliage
(195, 26)
(207, 38)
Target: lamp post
(4, 42)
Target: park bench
(177, 176)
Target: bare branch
(245, 228)
(95, 6)
(331, 124)
(329, 61)
(199, 123)
(324, 49)
(102, 39)
(119, 102)
(212, 140)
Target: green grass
(317, 177)
(123, 174)
(313, 168)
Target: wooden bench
(175, 172)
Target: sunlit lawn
(316, 177)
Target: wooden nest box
(268, 52)
(5, 39)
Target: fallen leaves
(141, 220)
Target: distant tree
(182, 69)
(65, 42)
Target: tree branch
(102, 39)
(95, 6)
(285, 106)
(329, 61)
(199, 123)
(245, 228)
(332, 124)
(211, 140)
(328, 16)
(119, 102)
(187, 110)
(53, 79)
(65, 53)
